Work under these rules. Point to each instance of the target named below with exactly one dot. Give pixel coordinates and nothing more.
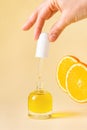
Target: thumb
(57, 28)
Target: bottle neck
(39, 85)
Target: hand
(71, 11)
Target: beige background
(18, 69)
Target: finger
(30, 22)
(44, 15)
(57, 28)
(38, 26)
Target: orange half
(76, 82)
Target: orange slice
(76, 82)
(65, 63)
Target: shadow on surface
(64, 114)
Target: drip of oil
(40, 100)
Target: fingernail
(24, 27)
(35, 36)
(52, 37)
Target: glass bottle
(40, 100)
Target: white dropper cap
(42, 46)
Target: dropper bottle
(40, 100)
